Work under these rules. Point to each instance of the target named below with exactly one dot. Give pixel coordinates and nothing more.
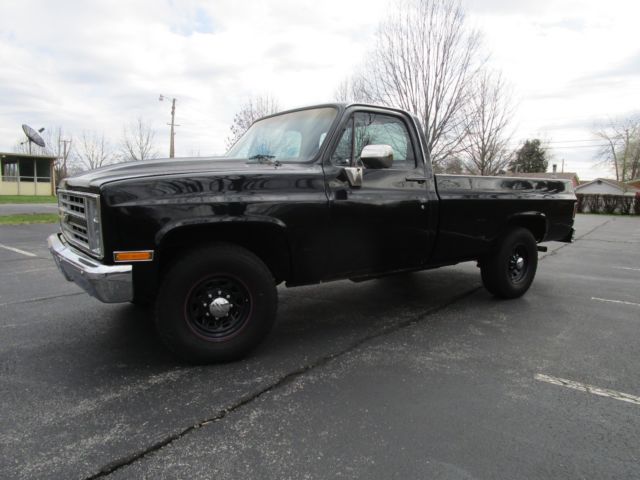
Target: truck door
(382, 224)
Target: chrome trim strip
(66, 226)
(108, 283)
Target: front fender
(217, 221)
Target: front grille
(75, 211)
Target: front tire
(216, 304)
(509, 271)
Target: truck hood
(161, 167)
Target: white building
(604, 186)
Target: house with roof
(605, 186)
(607, 196)
(25, 174)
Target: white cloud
(98, 65)
(573, 64)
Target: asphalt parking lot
(418, 376)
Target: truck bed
(473, 208)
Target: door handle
(416, 179)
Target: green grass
(28, 199)
(26, 219)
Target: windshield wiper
(268, 159)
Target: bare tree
(622, 147)
(137, 141)
(485, 137)
(92, 151)
(61, 146)
(451, 165)
(255, 108)
(424, 59)
(352, 90)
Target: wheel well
(536, 224)
(267, 242)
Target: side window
(377, 129)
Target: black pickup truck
(305, 196)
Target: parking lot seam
(39, 299)
(576, 239)
(33, 270)
(282, 381)
(623, 242)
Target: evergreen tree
(530, 158)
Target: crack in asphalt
(287, 378)
(26, 259)
(553, 252)
(612, 241)
(39, 299)
(284, 380)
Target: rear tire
(510, 270)
(216, 304)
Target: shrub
(625, 205)
(594, 203)
(610, 203)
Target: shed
(25, 174)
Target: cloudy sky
(95, 66)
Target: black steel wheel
(216, 304)
(218, 307)
(509, 271)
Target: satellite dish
(32, 135)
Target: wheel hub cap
(220, 307)
(517, 265)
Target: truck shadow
(313, 321)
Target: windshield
(290, 137)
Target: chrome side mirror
(377, 156)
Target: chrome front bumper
(108, 283)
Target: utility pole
(172, 150)
(65, 154)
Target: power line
(582, 146)
(557, 147)
(545, 142)
(576, 141)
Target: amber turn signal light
(135, 256)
